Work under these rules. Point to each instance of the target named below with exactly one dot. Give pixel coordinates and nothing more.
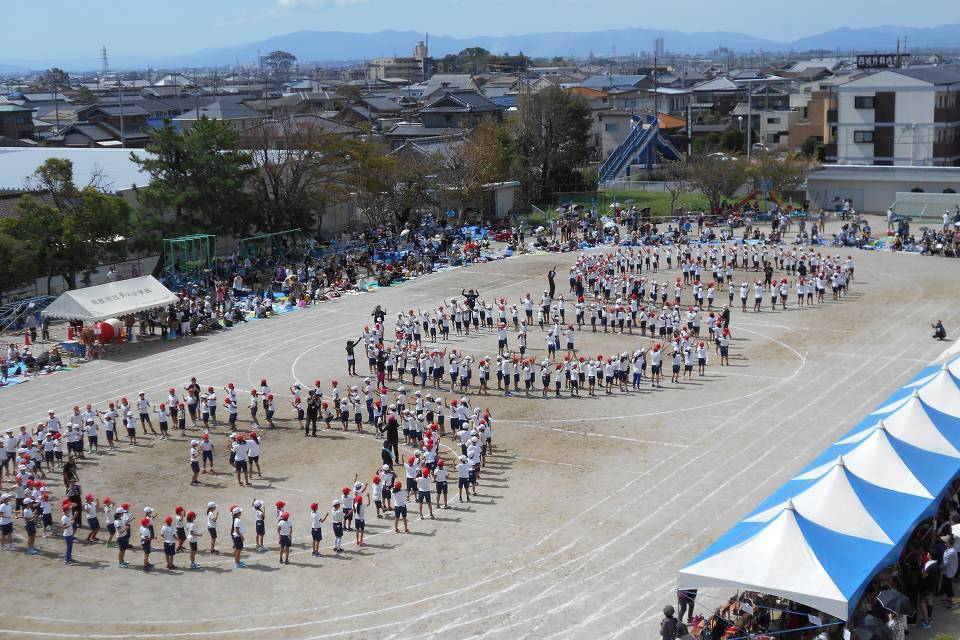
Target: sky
(79, 29)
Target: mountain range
(312, 47)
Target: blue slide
(640, 148)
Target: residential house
(720, 95)
(402, 132)
(441, 83)
(16, 122)
(293, 131)
(597, 98)
(459, 109)
(238, 115)
(900, 117)
(637, 100)
(610, 81)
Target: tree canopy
(200, 175)
(552, 139)
(66, 229)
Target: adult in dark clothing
(685, 602)
(392, 431)
(351, 358)
(70, 474)
(668, 626)
(551, 275)
(470, 297)
(313, 412)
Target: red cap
(358, 500)
(397, 486)
(144, 522)
(440, 463)
(280, 504)
(191, 515)
(346, 491)
(107, 500)
(314, 506)
(285, 515)
(410, 460)
(125, 506)
(178, 509)
(168, 519)
(425, 471)
(376, 479)
(89, 496)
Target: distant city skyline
(70, 30)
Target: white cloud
(315, 4)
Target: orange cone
(26, 338)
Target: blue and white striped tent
(822, 536)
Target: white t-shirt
(67, 523)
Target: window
(863, 136)
(773, 120)
(612, 127)
(864, 102)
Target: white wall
(913, 129)
(873, 189)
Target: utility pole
(123, 137)
(749, 118)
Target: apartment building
(900, 117)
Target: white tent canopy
(111, 300)
(777, 560)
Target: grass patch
(659, 203)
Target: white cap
(336, 502)
(258, 503)
(211, 505)
(386, 467)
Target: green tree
(85, 96)
(199, 175)
(551, 141)
(279, 62)
(717, 177)
(68, 229)
(17, 264)
(55, 79)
